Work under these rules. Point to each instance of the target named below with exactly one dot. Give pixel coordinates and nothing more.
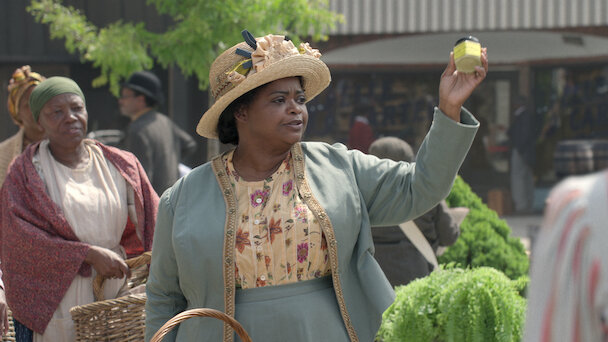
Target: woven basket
(204, 312)
(10, 336)
(120, 319)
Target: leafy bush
(479, 304)
(485, 238)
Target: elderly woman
(20, 87)
(71, 208)
(276, 232)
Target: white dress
(94, 201)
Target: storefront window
(401, 104)
(572, 103)
(396, 105)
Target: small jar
(467, 54)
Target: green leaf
(485, 238)
(454, 304)
(200, 31)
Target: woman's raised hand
(107, 263)
(456, 87)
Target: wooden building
(389, 52)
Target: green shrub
(479, 304)
(485, 238)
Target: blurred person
(398, 256)
(158, 143)
(71, 208)
(361, 133)
(568, 290)
(276, 232)
(20, 87)
(551, 132)
(522, 135)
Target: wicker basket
(120, 319)
(10, 336)
(204, 312)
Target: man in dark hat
(155, 140)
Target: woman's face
(277, 116)
(32, 129)
(64, 119)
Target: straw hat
(255, 62)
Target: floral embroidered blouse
(278, 241)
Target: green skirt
(299, 312)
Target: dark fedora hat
(146, 83)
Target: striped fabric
(568, 293)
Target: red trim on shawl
(130, 241)
(146, 199)
(41, 255)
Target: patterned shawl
(41, 255)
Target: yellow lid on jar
(467, 54)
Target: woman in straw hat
(276, 232)
(70, 208)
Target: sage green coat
(348, 192)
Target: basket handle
(203, 312)
(135, 262)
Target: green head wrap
(50, 88)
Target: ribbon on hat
(245, 66)
(249, 39)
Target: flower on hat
(270, 49)
(305, 49)
(267, 50)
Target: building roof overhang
(504, 48)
